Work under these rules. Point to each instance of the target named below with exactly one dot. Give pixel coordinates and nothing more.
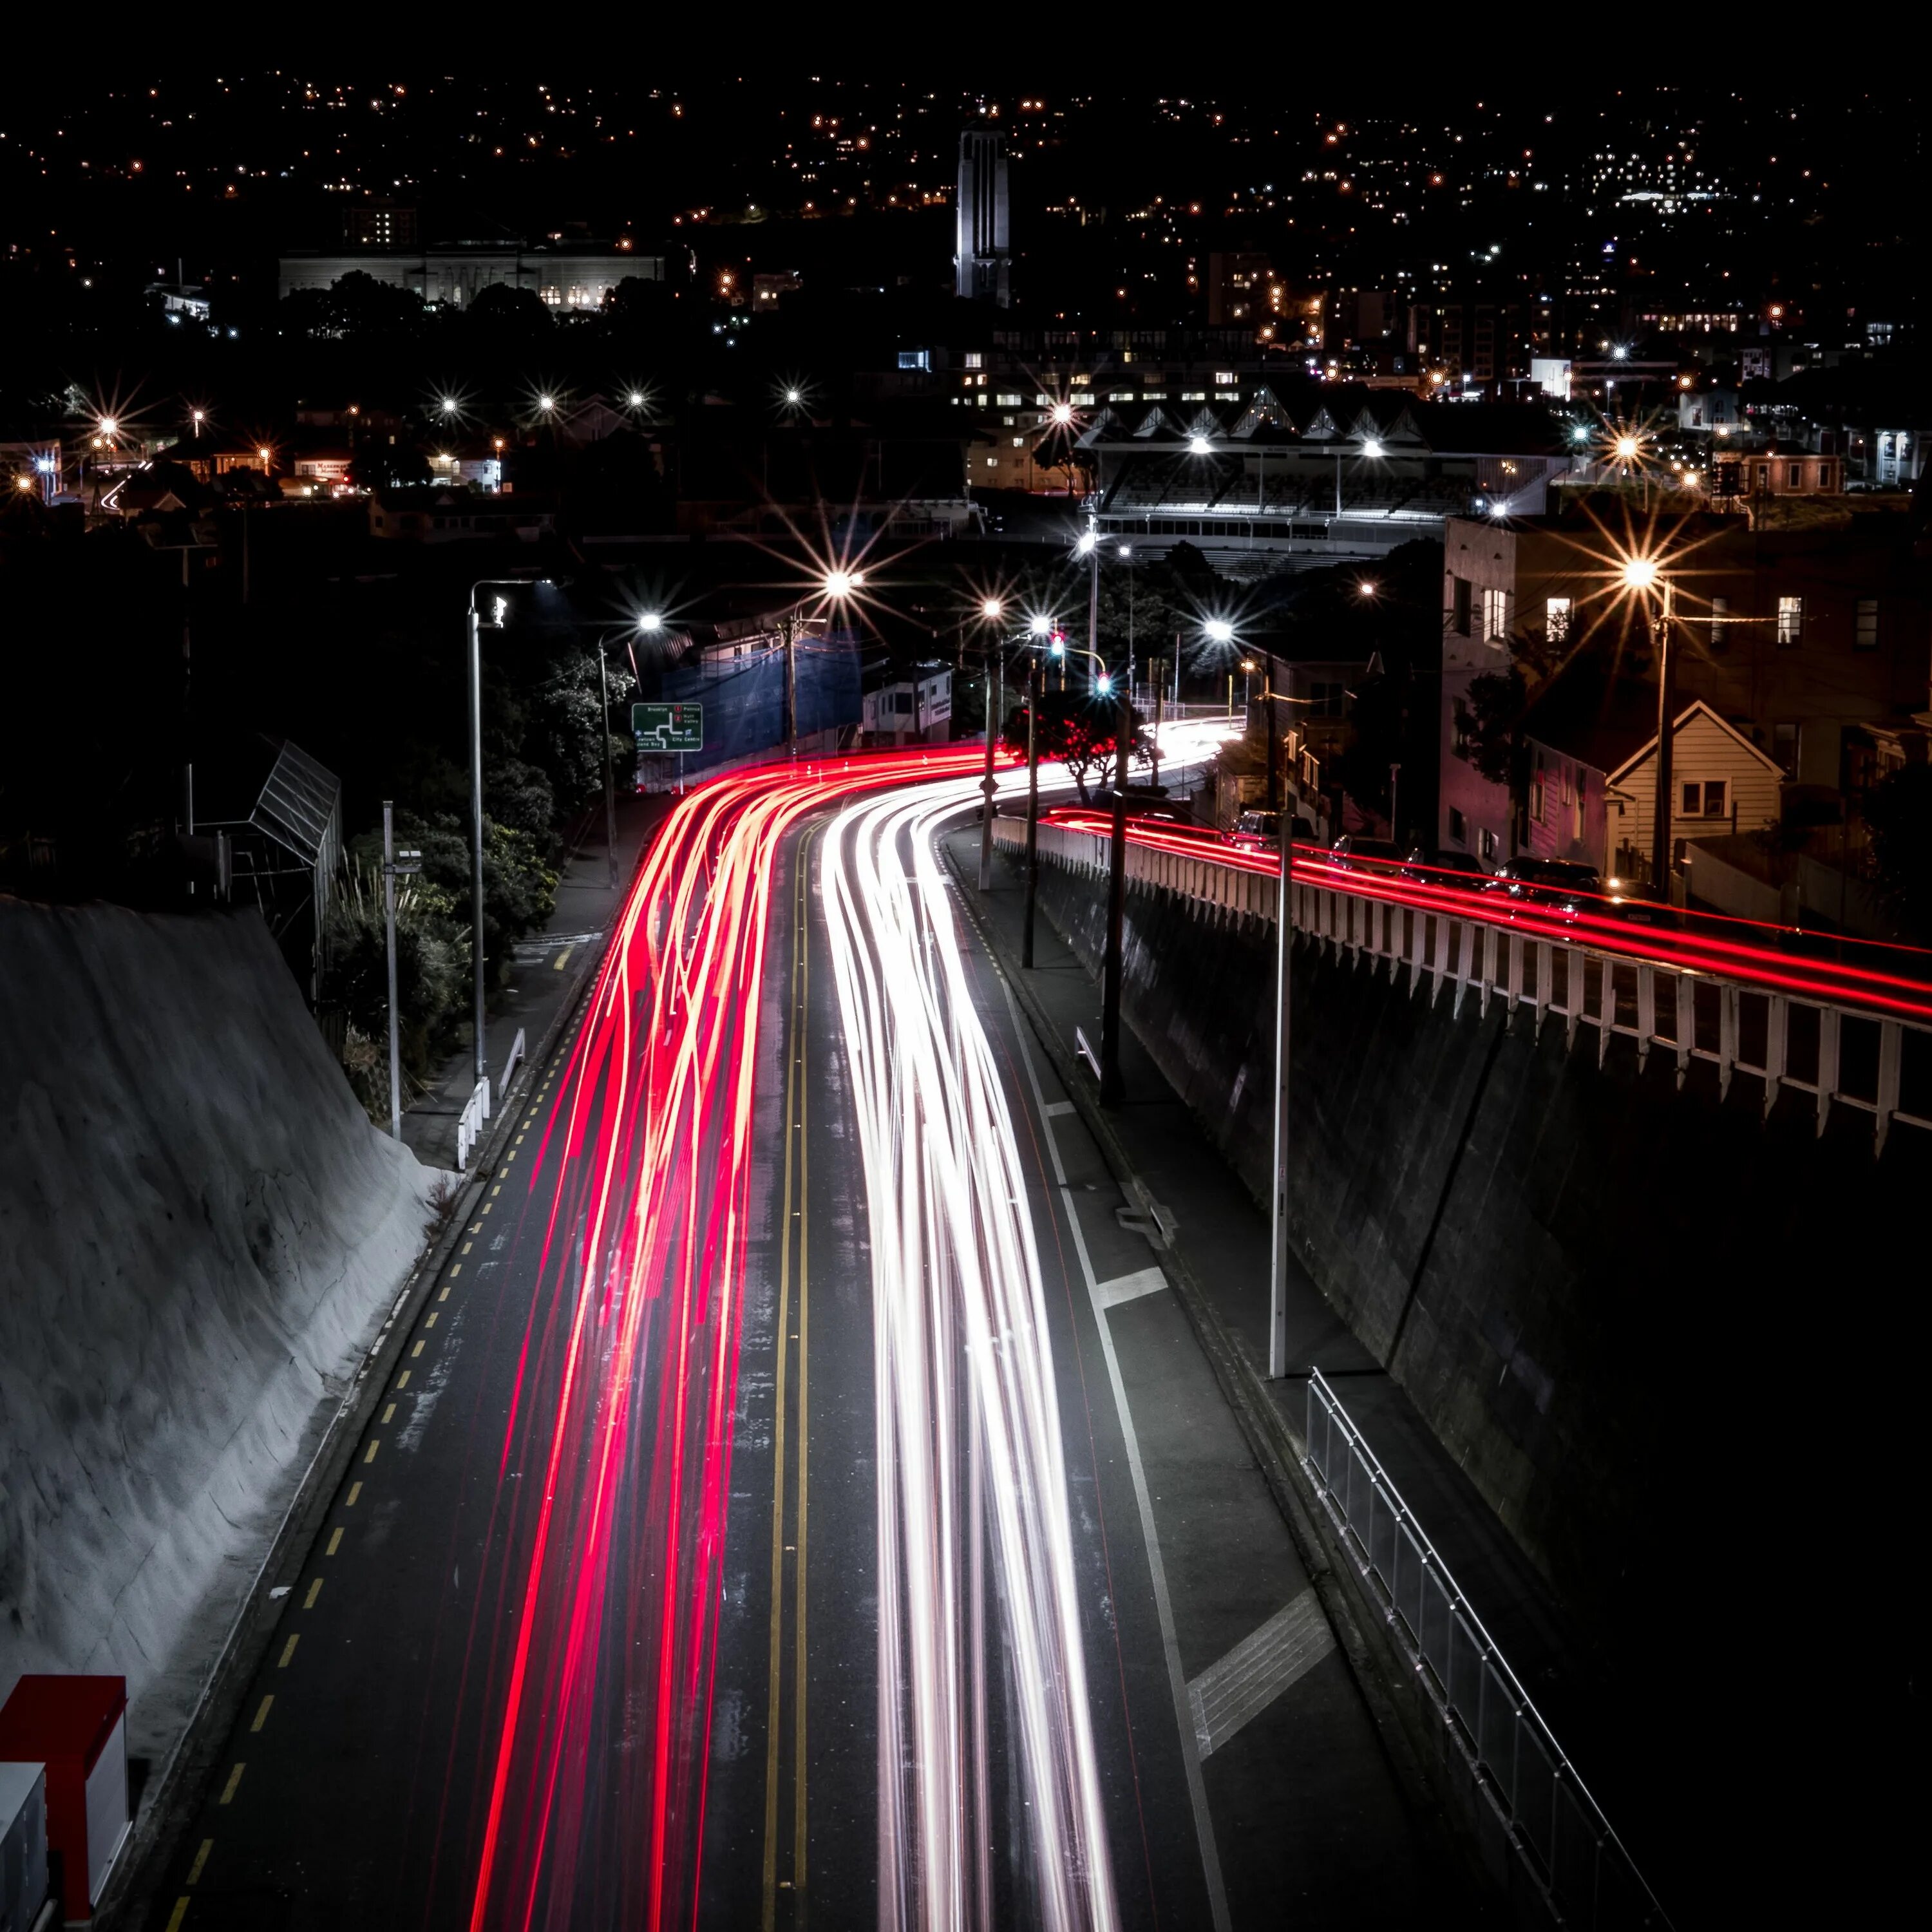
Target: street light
(500, 611)
(990, 609)
(1641, 576)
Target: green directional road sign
(668, 728)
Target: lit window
(1495, 615)
(1556, 619)
(1864, 625)
(1224, 376)
(973, 359)
(1720, 609)
(1009, 400)
(1790, 620)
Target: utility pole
(986, 790)
(791, 682)
(1278, 1237)
(610, 779)
(1666, 706)
(476, 824)
(1273, 739)
(1112, 1090)
(1033, 808)
(1155, 668)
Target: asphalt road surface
(803, 1499)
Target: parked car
(1641, 904)
(1145, 804)
(1552, 885)
(1353, 854)
(1436, 866)
(1255, 832)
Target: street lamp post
(1642, 574)
(475, 625)
(1113, 1090)
(1278, 1219)
(610, 779)
(1041, 627)
(990, 610)
(1667, 710)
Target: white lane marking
(1130, 1287)
(1190, 1754)
(1245, 1682)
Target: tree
(1495, 701)
(388, 465)
(1898, 814)
(501, 314)
(1084, 736)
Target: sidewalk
(549, 968)
(1223, 1238)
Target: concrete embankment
(1614, 1302)
(199, 1231)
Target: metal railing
(1555, 1826)
(470, 1124)
(1839, 1054)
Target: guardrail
(510, 1065)
(1839, 1053)
(470, 1124)
(1556, 1827)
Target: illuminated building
(982, 247)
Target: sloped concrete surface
(199, 1232)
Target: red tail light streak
(1709, 942)
(631, 1361)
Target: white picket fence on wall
(1838, 1053)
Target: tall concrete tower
(981, 251)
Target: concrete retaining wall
(1604, 1294)
(199, 1231)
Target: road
(802, 1498)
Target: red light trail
(1705, 947)
(638, 1336)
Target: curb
(138, 1873)
(1358, 1622)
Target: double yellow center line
(793, 1232)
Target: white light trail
(968, 1419)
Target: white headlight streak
(970, 1457)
